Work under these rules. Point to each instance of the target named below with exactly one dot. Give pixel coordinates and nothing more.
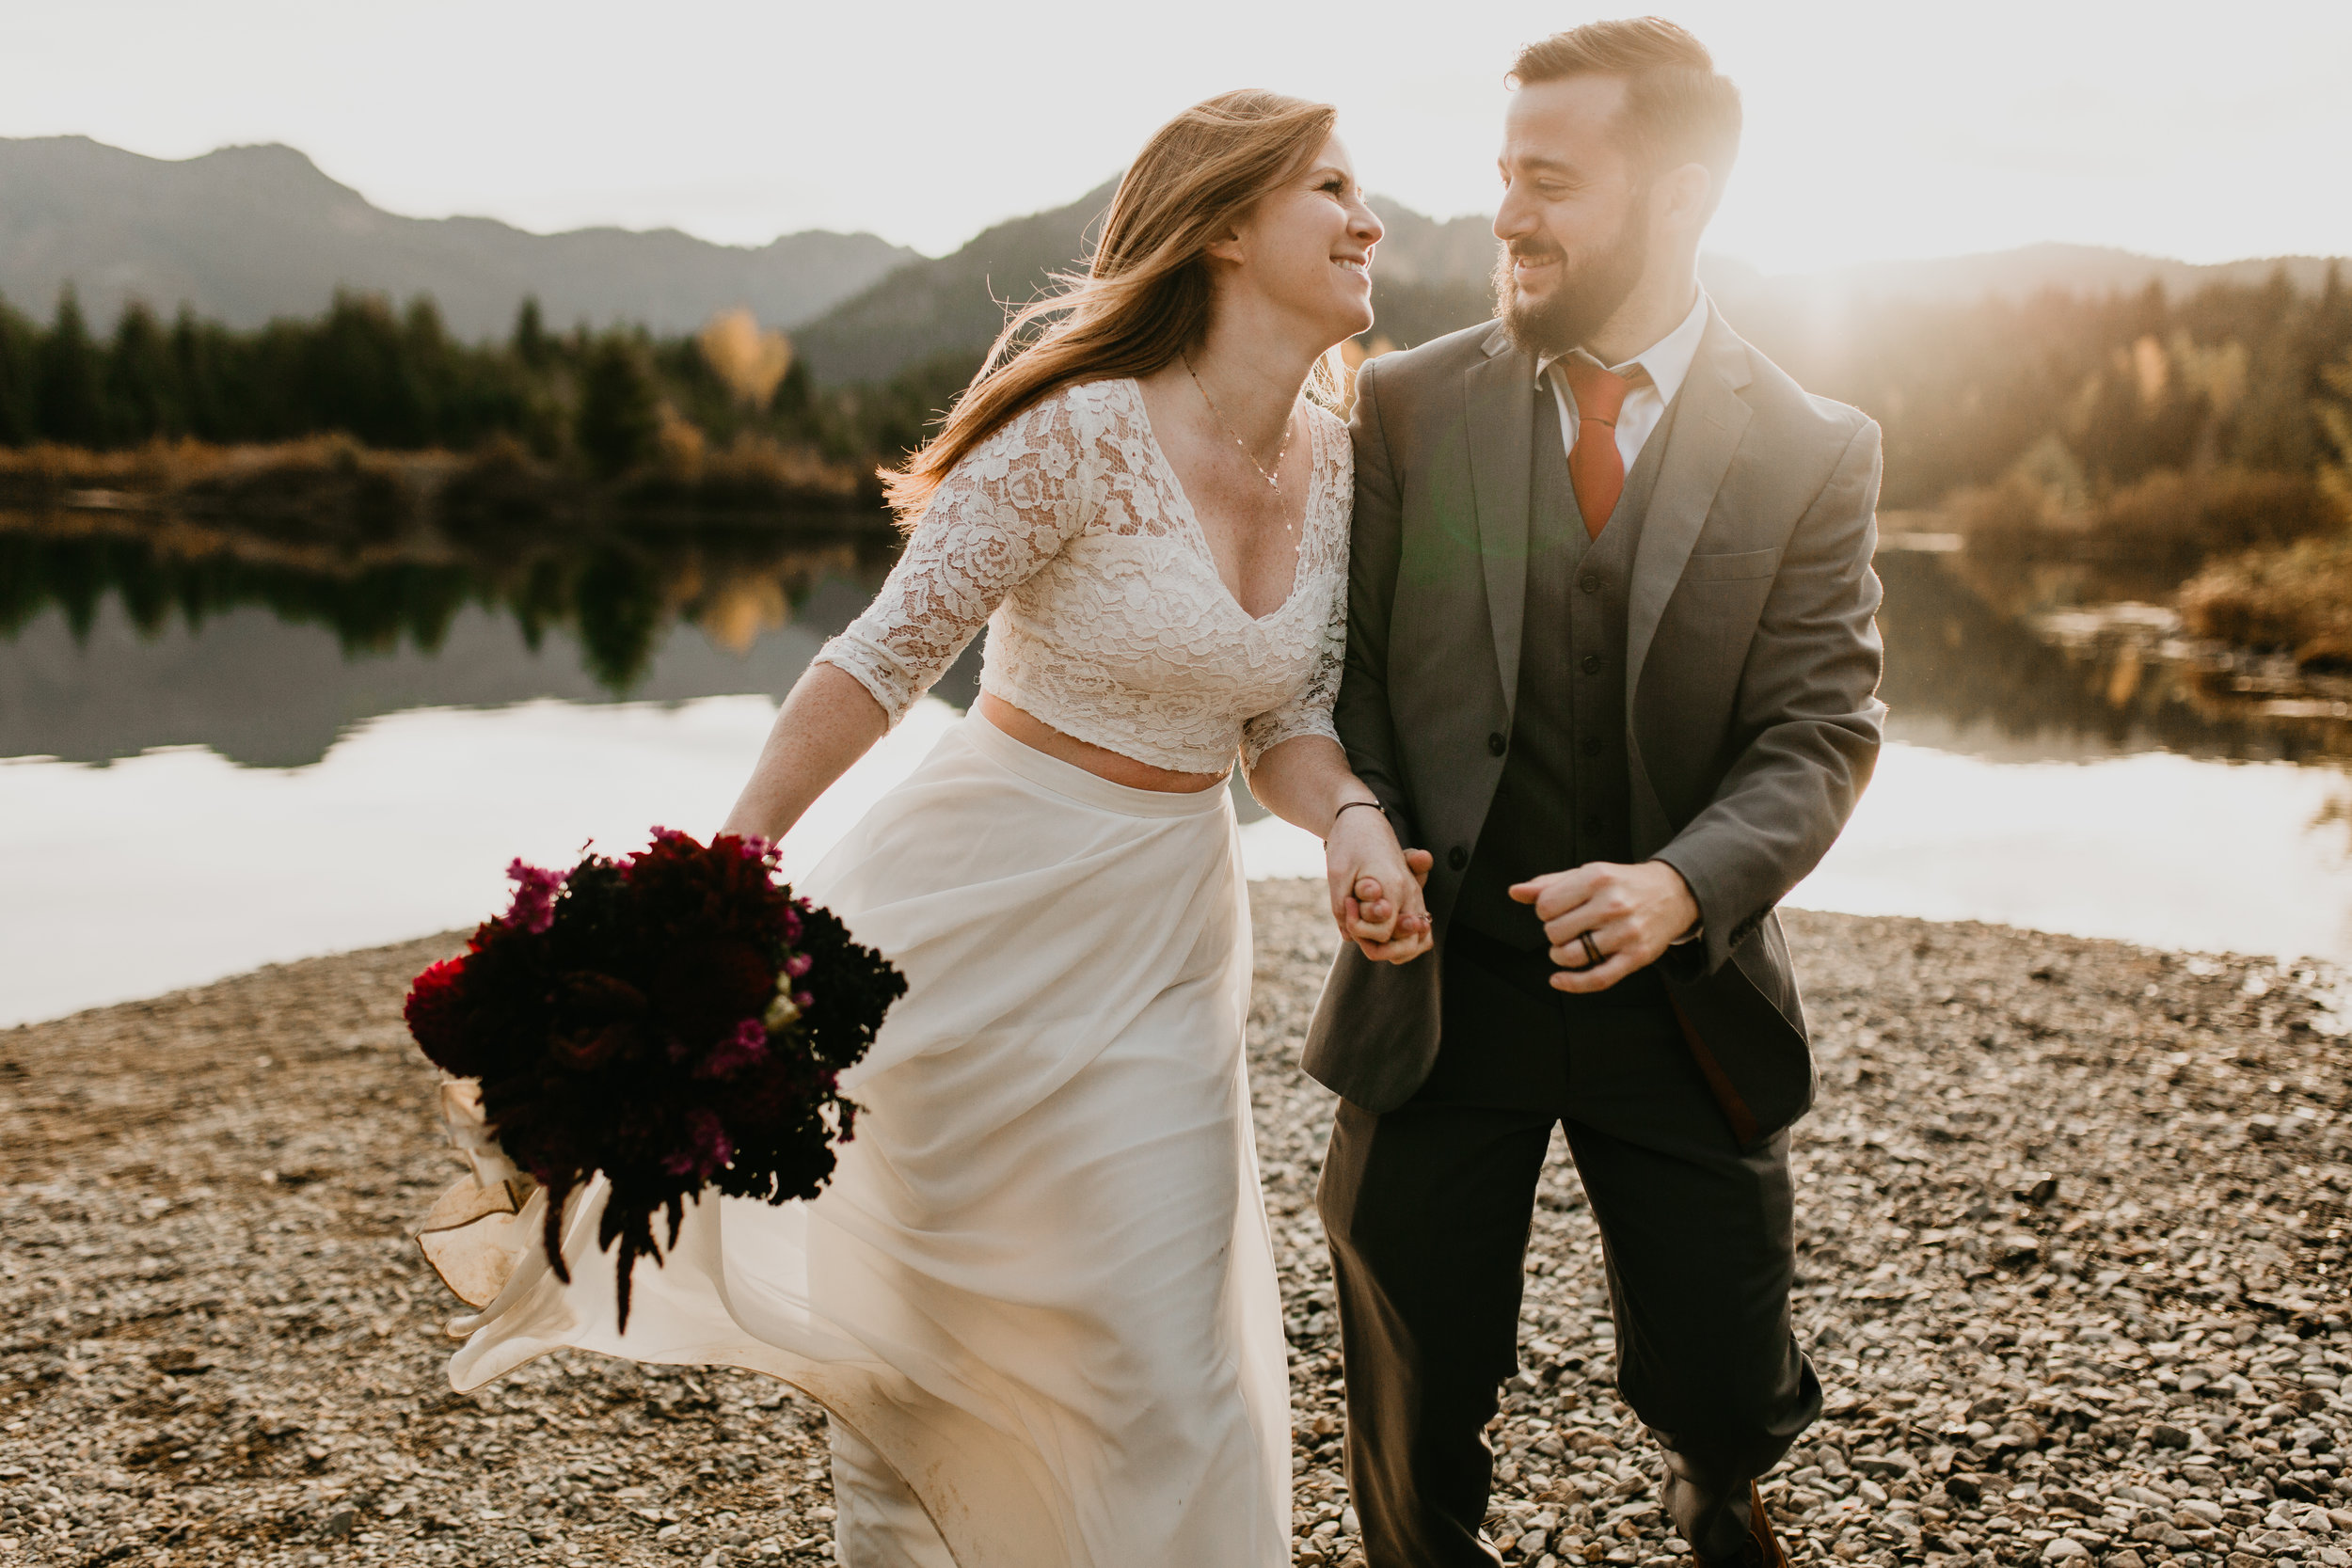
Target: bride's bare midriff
(1040, 735)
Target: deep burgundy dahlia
(674, 1020)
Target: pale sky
(1876, 128)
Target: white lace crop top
(1067, 533)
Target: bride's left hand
(1376, 888)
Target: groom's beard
(1587, 295)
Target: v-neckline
(1200, 535)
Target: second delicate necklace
(1289, 428)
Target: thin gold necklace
(1290, 427)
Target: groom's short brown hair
(1680, 109)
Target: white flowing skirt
(1040, 1287)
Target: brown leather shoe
(1762, 1549)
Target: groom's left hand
(1633, 912)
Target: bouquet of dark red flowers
(675, 1019)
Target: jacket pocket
(1737, 565)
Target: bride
(1039, 1300)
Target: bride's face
(1306, 249)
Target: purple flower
(791, 925)
(708, 1147)
(746, 1047)
(533, 909)
(756, 848)
(804, 999)
(798, 965)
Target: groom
(1611, 658)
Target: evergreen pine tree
(198, 350)
(620, 407)
(19, 347)
(530, 335)
(427, 363)
(69, 387)
(143, 397)
(357, 376)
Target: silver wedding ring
(1592, 955)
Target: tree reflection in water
(618, 592)
(1963, 673)
(1988, 681)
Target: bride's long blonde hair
(1144, 296)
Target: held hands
(1631, 914)
(1375, 887)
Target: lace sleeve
(1003, 512)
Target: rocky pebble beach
(2073, 1219)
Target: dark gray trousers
(1427, 1211)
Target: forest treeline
(605, 403)
(2195, 450)
(2148, 436)
(2085, 395)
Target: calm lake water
(219, 749)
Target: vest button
(1592, 664)
(1457, 857)
(1495, 744)
(1590, 582)
(1591, 745)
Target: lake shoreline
(327, 490)
(2070, 1264)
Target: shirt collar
(1667, 361)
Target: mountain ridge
(1431, 277)
(245, 233)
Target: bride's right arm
(998, 515)
(827, 724)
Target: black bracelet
(1374, 804)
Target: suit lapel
(1706, 431)
(1497, 394)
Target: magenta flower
(798, 965)
(533, 909)
(746, 1047)
(708, 1149)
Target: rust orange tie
(1595, 468)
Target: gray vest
(1565, 797)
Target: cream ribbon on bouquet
(474, 1233)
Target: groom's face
(1574, 219)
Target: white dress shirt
(1665, 365)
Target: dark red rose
(585, 1050)
(591, 998)
(702, 988)
(435, 1012)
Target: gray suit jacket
(1753, 657)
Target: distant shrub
(329, 480)
(749, 473)
(2014, 520)
(759, 469)
(505, 483)
(44, 472)
(323, 480)
(2175, 521)
(2295, 599)
(2144, 539)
